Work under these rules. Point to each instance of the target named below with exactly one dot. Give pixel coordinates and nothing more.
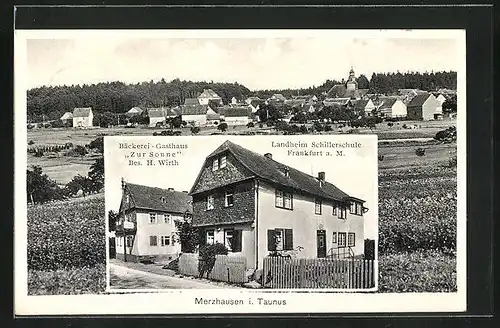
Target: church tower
(352, 84)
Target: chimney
(321, 176)
(170, 189)
(268, 155)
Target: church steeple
(352, 84)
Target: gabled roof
(339, 101)
(388, 103)
(191, 101)
(156, 112)
(208, 93)
(237, 112)
(193, 110)
(82, 112)
(272, 171)
(419, 100)
(150, 198)
(362, 103)
(67, 116)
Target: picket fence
(227, 268)
(280, 272)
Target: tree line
(51, 102)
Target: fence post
(302, 273)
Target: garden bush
(66, 234)
(207, 255)
(420, 151)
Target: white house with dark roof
(156, 116)
(207, 95)
(423, 107)
(392, 107)
(146, 225)
(241, 115)
(83, 117)
(195, 114)
(67, 117)
(255, 205)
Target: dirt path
(127, 278)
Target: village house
(255, 205)
(255, 104)
(196, 115)
(441, 99)
(156, 116)
(392, 107)
(423, 107)
(67, 118)
(134, 111)
(365, 107)
(207, 95)
(83, 117)
(192, 101)
(146, 224)
(238, 115)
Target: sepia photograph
(232, 210)
(256, 214)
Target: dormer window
(127, 198)
(219, 163)
(163, 200)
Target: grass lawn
(430, 271)
(67, 282)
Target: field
(66, 248)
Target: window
(153, 240)
(129, 241)
(279, 239)
(351, 239)
(317, 206)
(152, 218)
(352, 207)
(215, 164)
(229, 199)
(284, 199)
(159, 217)
(165, 240)
(341, 240)
(210, 237)
(163, 199)
(359, 209)
(334, 211)
(168, 218)
(172, 239)
(232, 240)
(222, 163)
(210, 202)
(343, 213)
(334, 238)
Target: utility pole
(123, 225)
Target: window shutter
(236, 241)
(288, 239)
(203, 237)
(271, 243)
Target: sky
(355, 173)
(258, 62)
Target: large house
(195, 114)
(209, 95)
(67, 118)
(423, 107)
(255, 205)
(238, 115)
(146, 224)
(83, 117)
(392, 107)
(160, 115)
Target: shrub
(207, 255)
(39, 188)
(67, 234)
(250, 125)
(452, 162)
(261, 125)
(381, 157)
(404, 126)
(420, 151)
(98, 144)
(195, 130)
(390, 124)
(31, 142)
(222, 127)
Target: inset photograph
(260, 212)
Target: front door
(321, 243)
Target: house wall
(430, 107)
(242, 210)
(247, 240)
(304, 222)
(154, 120)
(238, 120)
(145, 229)
(82, 121)
(414, 113)
(398, 109)
(196, 119)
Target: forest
(51, 102)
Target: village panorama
(166, 232)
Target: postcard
(239, 171)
